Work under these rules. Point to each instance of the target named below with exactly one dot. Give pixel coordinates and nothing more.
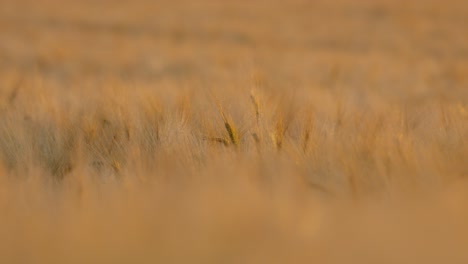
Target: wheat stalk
(230, 127)
(256, 104)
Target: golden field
(233, 131)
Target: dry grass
(233, 132)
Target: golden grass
(233, 132)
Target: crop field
(219, 131)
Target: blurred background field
(233, 131)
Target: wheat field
(242, 131)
